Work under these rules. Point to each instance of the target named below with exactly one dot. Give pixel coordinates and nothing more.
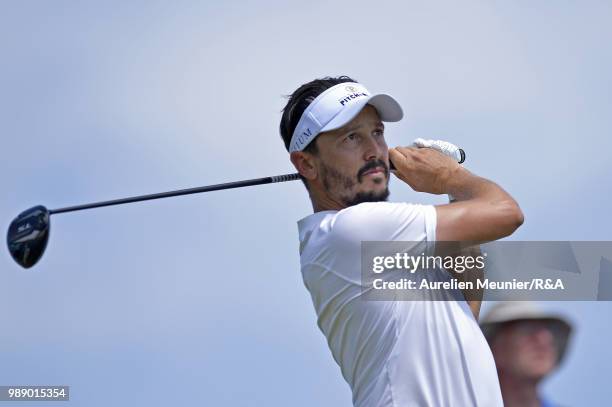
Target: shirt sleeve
(387, 221)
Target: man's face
(353, 161)
(526, 349)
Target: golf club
(28, 233)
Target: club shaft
(209, 188)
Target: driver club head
(27, 236)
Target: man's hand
(483, 211)
(424, 169)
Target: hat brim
(490, 329)
(389, 110)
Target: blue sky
(199, 300)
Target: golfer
(391, 353)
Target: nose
(373, 148)
(543, 336)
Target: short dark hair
(298, 101)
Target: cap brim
(389, 110)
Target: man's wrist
(456, 180)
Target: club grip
(461, 160)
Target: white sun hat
(337, 106)
(510, 311)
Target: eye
(379, 132)
(351, 137)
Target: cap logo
(351, 88)
(352, 96)
(302, 138)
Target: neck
(519, 391)
(322, 202)
(325, 206)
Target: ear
(304, 164)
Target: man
(391, 353)
(528, 344)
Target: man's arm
(484, 212)
(473, 274)
(481, 211)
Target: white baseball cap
(336, 107)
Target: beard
(334, 180)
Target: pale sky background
(198, 300)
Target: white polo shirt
(392, 353)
